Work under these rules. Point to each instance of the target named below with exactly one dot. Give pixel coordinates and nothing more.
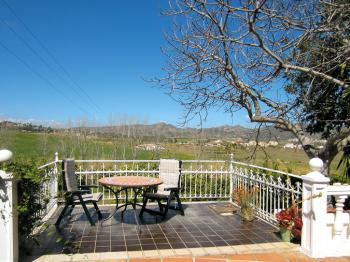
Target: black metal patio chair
(77, 195)
(170, 173)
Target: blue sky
(107, 48)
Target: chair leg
(166, 207)
(86, 211)
(61, 215)
(71, 209)
(97, 210)
(179, 204)
(144, 203)
(160, 205)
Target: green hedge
(31, 198)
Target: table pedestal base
(128, 202)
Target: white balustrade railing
(338, 222)
(275, 190)
(325, 233)
(201, 180)
(50, 187)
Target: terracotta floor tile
(335, 259)
(211, 259)
(242, 257)
(297, 257)
(271, 257)
(178, 259)
(113, 260)
(145, 260)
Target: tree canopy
(266, 57)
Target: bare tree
(236, 54)
(6, 137)
(44, 142)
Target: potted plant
(245, 197)
(290, 223)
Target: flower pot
(286, 234)
(247, 213)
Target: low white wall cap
(5, 155)
(316, 164)
(5, 176)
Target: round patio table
(124, 183)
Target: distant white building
(261, 143)
(290, 145)
(251, 143)
(150, 147)
(272, 143)
(217, 142)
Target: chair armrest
(91, 186)
(150, 189)
(80, 192)
(76, 193)
(88, 188)
(171, 188)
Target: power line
(52, 56)
(42, 77)
(36, 53)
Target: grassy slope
(42, 147)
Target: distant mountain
(164, 130)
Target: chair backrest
(169, 172)
(69, 175)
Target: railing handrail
(266, 169)
(117, 161)
(183, 161)
(134, 160)
(49, 164)
(204, 161)
(338, 190)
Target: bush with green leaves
(31, 199)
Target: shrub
(31, 199)
(290, 218)
(245, 197)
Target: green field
(42, 146)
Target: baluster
(206, 185)
(211, 185)
(190, 177)
(195, 183)
(216, 181)
(200, 184)
(186, 184)
(273, 185)
(91, 177)
(221, 182)
(260, 196)
(264, 194)
(338, 224)
(103, 174)
(227, 176)
(181, 189)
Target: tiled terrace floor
(200, 227)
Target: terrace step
(281, 252)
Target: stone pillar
(8, 214)
(314, 210)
